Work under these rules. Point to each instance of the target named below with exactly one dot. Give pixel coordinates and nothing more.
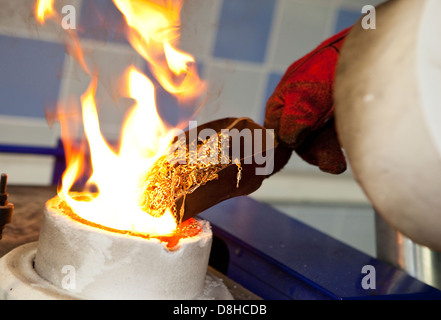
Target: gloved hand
(301, 108)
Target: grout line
(267, 67)
(21, 120)
(273, 36)
(209, 54)
(38, 126)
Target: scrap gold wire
(165, 182)
(239, 172)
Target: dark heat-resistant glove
(301, 108)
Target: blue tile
(101, 20)
(30, 75)
(272, 82)
(244, 29)
(346, 18)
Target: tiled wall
(242, 47)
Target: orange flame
(44, 9)
(117, 175)
(154, 28)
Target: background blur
(242, 47)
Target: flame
(154, 29)
(44, 9)
(117, 175)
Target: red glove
(301, 108)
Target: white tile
(17, 18)
(199, 26)
(110, 62)
(27, 131)
(233, 91)
(27, 169)
(302, 28)
(319, 187)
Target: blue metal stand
(278, 257)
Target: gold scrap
(166, 181)
(239, 172)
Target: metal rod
(3, 183)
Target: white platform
(20, 281)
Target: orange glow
(117, 173)
(44, 9)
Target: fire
(117, 175)
(154, 28)
(44, 8)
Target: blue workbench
(277, 257)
